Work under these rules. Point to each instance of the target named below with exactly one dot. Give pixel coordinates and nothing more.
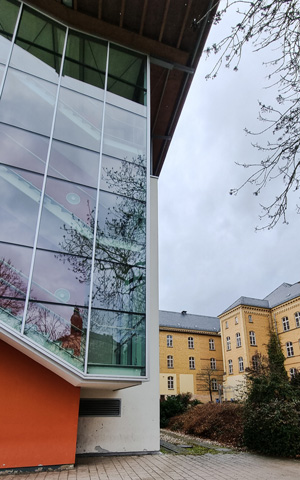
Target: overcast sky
(210, 254)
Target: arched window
(213, 364)
(191, 342)
(211, 344)
(170, 361)
(170, 383)
(230, 367)
(241, 364)
(192, 363)
(252, 338)
(289, 349)
(228, 343)
(169, 341)
(238, 339)
(297, 319)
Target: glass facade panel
(14, 271)
(8, 16)
(116, 339)
(59, 329)
(18, 213)
(78, 120)
(39, 45)
(127, 74)
(56, 215)
(74, 163)
(55, 278)
(65, 222)
(27, 102)
(86, 60)
(124, 134)
(23, 149)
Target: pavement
(232, 465)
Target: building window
(191, 342)
(289, 349)
(226, 324)
(285, 324)
(169, 341)
(297, 319)
(214, 384)
(250, 318)
(192, 363)
(170, 383)
(170, 361)
(255, 362)
(211, 344)
(213, 364)
(241, 364)
(238, 339)
(228, 343)
(252, 338)
(293, 372)
(236, 320)
(230, 367)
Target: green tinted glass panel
(86, 59)
(41, 37)
(127, 74)
(8, 15)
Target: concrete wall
(137, 429)
(38, 413)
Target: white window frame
(228, 343)
(293, 372)
(238, 339)
(211, 344)
(170, 383)
(236, 320)
(213, 364)
(170, 361)
(250, 319)
(297, 319)
(252, 338)
(289, 349)
(241, 364)
(214, 385)
(192, 363)
(169, 341)
(285, 324)
(230, 367)
(226, 324)
(191, 342)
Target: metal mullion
(96, 220)
(43, 188)
(11, 48)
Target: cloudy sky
(210, 254)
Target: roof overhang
(173, 33)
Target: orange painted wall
(38, 413)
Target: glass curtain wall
(73, 177)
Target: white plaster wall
(137, 429)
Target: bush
(174, 405)
(273, 428)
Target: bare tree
(208, 380)
(273, 26)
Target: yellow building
(190, 355)
(245, 327)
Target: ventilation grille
(100, 407)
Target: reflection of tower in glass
(73, 340)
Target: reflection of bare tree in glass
(120, 248)
(12, 288)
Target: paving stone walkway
(227, 466)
